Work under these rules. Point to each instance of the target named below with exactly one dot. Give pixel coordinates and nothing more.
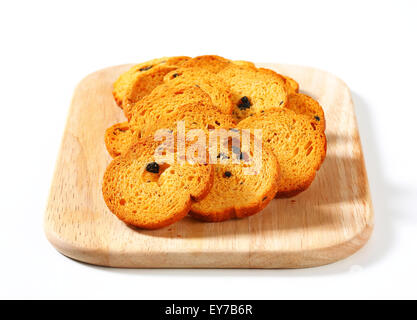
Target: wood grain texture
(328, 222)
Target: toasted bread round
(237, 193)
(310, 108)
(214, 86)
(144, 72)
(254, 89)
(150, 195)
(299, 147)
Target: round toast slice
(299, 148)
(239, 189)
(149, 194)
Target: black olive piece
(227, 174)
(244, 103)
(152, 167)
(317, 118)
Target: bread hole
(313, 125)
(307, 145)
(309, 150)
(154, 176)
(122, 202)
(163, 167)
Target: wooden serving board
(326, 223)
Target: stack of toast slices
(208, 137)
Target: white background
(47, 47)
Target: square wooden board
(328, 222)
